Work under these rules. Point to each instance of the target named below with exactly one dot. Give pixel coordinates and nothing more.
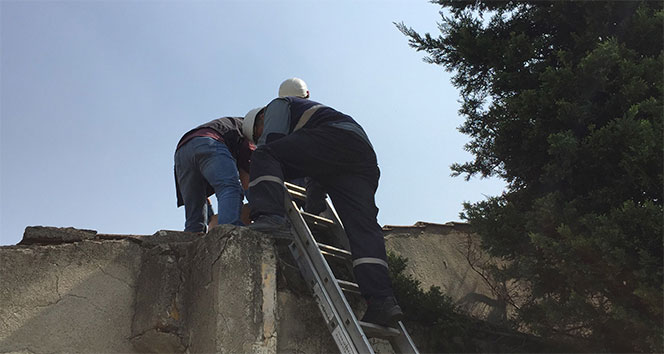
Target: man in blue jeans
(212, 158)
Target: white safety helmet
(294, 87)
(248, 124)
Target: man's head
(294, 87)
(252, 125)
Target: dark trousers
(345, 166)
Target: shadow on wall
(449, 256)
(497, 310)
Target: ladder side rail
(338, 231)
(340, 238)
(331, 292)
(330, 213)
(403, 343)
(340, 336)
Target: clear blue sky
(95, 95)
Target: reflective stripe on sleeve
(359, 261)
(306, 116)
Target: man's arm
(276, 121)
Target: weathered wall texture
(230, 290)
(72, 297)
(439, 255)
(68, 290)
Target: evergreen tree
(563, 100)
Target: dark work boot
(275, 226)
(383, 311)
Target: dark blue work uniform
(302, 138)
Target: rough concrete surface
(172, 292)
(228, 291)
(157, 324)
(72, 297)
(52, 235)
(301, 327)
(229, 279)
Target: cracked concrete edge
(183, 314)
(104, 271)
(52, 235)
(420, 227)
(158, 318)
(55, 235)
(223, 264)
(267, 343)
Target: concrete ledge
(55, 235)
(228, 291)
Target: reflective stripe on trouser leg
(353, 199)
(266, 179)
(373, 274)
(266, 186)
(369, 260)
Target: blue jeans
(201, 161)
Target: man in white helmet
(298, 137)
(315, 201)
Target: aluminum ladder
(350, 334)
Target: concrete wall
(72, 297)
(230, 290)
(441, 255)
(68, 290)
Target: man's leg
(353, 199)
(266, 183)
(219, 168)
(192, 187)
(315, 202)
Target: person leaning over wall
(212, 159)
(298, 137)
(289, 87)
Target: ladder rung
(333, 255)
(376, 331)
(317, 220)
(295, 187)
(297, 194)
(348, 286)
(334, 251)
